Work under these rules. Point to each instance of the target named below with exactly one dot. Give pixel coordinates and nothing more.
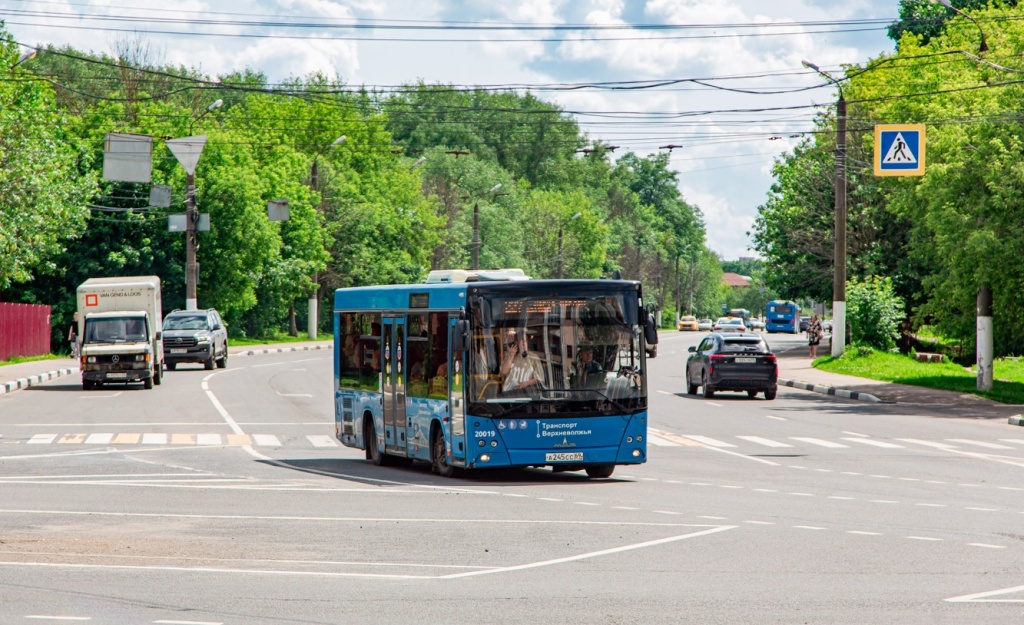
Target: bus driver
(521, 368)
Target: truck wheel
(158, 374)
(171, 366)
(86, 385)
(208, 364)
(148, 382)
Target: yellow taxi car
(688, 322)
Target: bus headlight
(485, 458)
(636, 453)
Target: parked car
(195, 336)
(705, 325)
(732, 362)
(805, 321)
(729, 324)
(688, 322)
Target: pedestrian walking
(73, 336)
(814, 332)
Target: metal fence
(24, 330)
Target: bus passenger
(521, 368)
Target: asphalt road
(221, 497)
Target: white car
(756, 324)
(729, 324)
(705, 325)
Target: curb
(829, 390)
(279, 350)
(23, 383)
(1016, 420)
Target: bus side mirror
(650, 330)
(460, 336)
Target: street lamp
(984, 46)
(562, 225)
(476, 227)
(314, 295)
(191, 217)
(839, 277)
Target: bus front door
(394, 386)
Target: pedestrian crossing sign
(899, 150)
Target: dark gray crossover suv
(195, 336)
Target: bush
(874, 312)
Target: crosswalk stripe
(239, 439)
(819, 442)
(708, 441)
(183, 439)
(266, 440)
(967, 441)
(321, 440)
(127, 438)
(767, 442)
(42, 439)
(100, 438)
(874, 443)
(935, 444)
(71, 439)
(154, 438)
(657, 441)
(208, 439)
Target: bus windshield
(577, 354)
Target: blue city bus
(782, 316)
(434, 372)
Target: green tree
(874, 312)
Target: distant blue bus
(782, 316)
(435, 372)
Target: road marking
(624, 508)
(189, 622)
(841, 498)
(883, 501)
(767, 442)
(986, 546)
(983, 509)
(154, 438)
(967, 441)
(585, 503)
(803, 494)
(42, 439)
(931, 505)
(808, 527)
(658, 441)
(708, 441)
(824, 470)
(321, 440)
(882, 477)
(266, 440)
(874, 443)
(127, 438)
(855, 434)
(923, 538)
(910, 479)
(713, 518)
(851, 473)
(71, 439)
(183, 439)
(771, 416)
(208, 439)
(934, 444)
(765, 490)
(983, 597)
(711, 403)
(760, 522)
(820, 442)
(59, 618)
(670, 512)
(100, 438)
(269, 364)
(1017, 441)
(94, 396)
(294, 394)
(666, 393)
(593, 554)
(675, 438)
(548, 499)
(860, 533)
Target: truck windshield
(116, 330)
(556, 354)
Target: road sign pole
(191, 302)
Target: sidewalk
(23, 375)
(795, 367)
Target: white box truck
(120, 322)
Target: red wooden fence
(24, 330)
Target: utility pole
(476, 235)
(560, 226)
(312, 322)
(985, 347)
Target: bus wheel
(440, 456)
(599, 470)
(373, 452)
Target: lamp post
(312, 322)
(562, 225)
(476, 227)
(839, 276)
(191, 217)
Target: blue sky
(724, 164)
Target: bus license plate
(117, 375)
(564, 457)
(747, 360)
(179, 351)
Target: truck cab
(117, 347)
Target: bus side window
(437, 360)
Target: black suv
(732, 362)
(195, 336)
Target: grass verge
(20, 359)
(1008, 387)
(277, 338)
